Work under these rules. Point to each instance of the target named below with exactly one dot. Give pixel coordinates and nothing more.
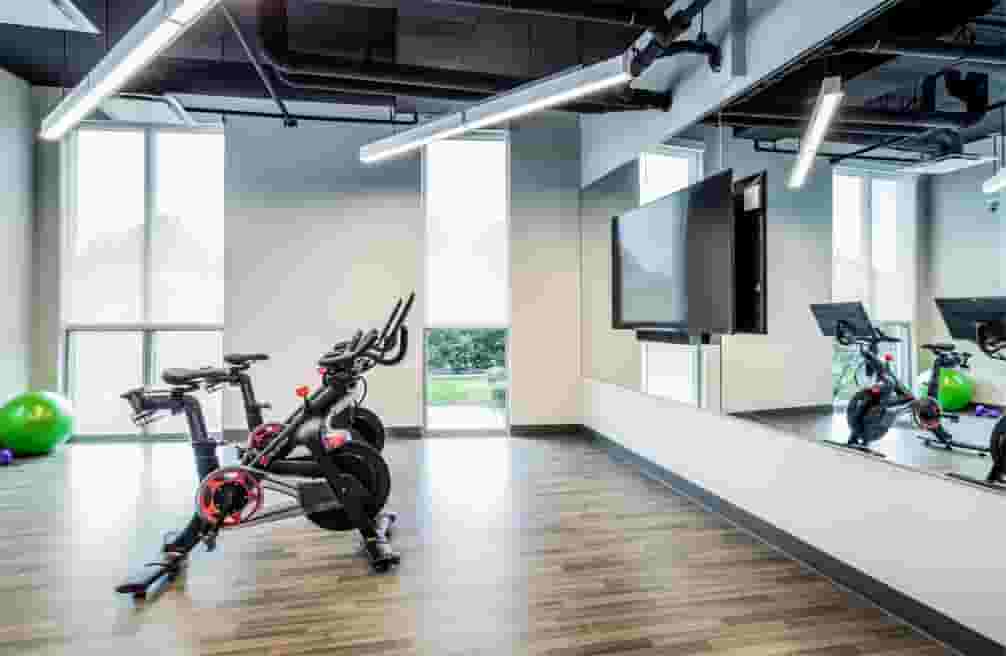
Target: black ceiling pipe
(838, 128)
(927, 120)
(303, 117)
(938, 50)
(575, 11)
(335, 85)
(633, 101)
(274, 36)
(759, 148)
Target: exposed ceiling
(886, 97)
(436, 37)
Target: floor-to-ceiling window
(467, 284)
(669, 370)
(873, 262)
(143, 279)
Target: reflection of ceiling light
(996, 183)
(551, 92)
(157, 30)
(828, 102)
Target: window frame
(146, 327)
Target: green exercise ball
(957, 388)
(33, 424)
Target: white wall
(319, 245)
(779, 31)
(964, 255)
(545, 271)
(791, 365)
(894, 524)
(47, 291)
(610, 355)
(16, 224)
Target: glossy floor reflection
(510, 546)
(465, 417)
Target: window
(144, 267)
(467, 284)
(670, 371)
(874, 246)
(667, 169)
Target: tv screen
(673, 264)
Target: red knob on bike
(888, 358)
(303, 391)
(322, 370)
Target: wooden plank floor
(510, 546)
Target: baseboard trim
(405, 432)
(545, 430)
(912, 612)
(782, 412)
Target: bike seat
(940, 348)
(189, 376)
(238, 359)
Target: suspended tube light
(151, 36)
(580, 82)
(828, 103)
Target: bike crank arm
(287, 511)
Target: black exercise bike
(872, 410)
(929, 415)
(344, 482)
(982, 321)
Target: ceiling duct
(274, 34)
(148, 110)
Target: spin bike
(982, 321)
(346, 482)
(929, 415)
(873, 410)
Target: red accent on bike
(875, 390)
(336, 440)
(262, 436)
(303, 391)
(888, 357)
(322, 370)
(223, 477)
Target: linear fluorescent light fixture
(996, 183)
(554, 91)
(154, 33)
(828, 102)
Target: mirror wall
(860, 232)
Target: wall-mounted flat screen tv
(693, 261)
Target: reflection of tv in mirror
(693, 261)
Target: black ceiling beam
(852, 116)
(933, 49)
(775, 150)
(838, 128)
(304, 117)
(574, 11)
